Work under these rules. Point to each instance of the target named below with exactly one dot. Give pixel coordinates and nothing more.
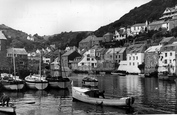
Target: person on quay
(5, 99)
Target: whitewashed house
(167, 59)
(137, 28)
(135, 57)
(88, 62)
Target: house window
(92, 64)
(165, 61)
(129, 58)
(119, 56)
(21, 63)
(165, 54)
(130, 63)
(137, 63)
(82, 63)
(88, 59)
(133, 63)
(170, 60)
(133, 58)
(170, 53)
(92, 59)
(136, 57)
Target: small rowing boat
(88, 96)
(10, 109)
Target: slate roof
(68, 52)
(166, 40)
(136, 48)
(20, 51)
(89, 38)
(156, 22)
(2, 36)
(154, 48)
(139, 24)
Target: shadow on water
(92, 109)
(2, 113)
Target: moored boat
(89, 81)
(10, 82)
(8, 110)
(59, 81)
(88, 96)
(36, 82)
(118, 72)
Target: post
(14, 62)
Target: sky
(48, 17)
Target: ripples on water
(151, 96)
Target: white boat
(88, 96)
(12, 82)
(36, 82)
(8, 110)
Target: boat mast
(60, 69)
(40, 65)
(14, 62)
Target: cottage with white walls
(135, 57)
(137, 28)
(167, 60)
(88, 61)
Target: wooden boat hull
(7, 109)
(37, 85)
(121, 102)
(13, 86)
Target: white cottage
(88, 62)
(167, 59)
(135, 57)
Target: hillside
(150, 11)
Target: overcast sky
(48, 17)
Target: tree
(141, 67)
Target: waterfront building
(152, 59)
(119, 54)
(68, 57)
(74, 63)
(4, 65)
(167, 58)
(135, 57)
(88, 61)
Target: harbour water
(152, 96)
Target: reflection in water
(79, 107)
(151, 96)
